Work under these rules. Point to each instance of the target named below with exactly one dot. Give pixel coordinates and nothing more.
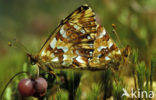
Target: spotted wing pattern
(72, 42)
(78, 42)
(106, 53)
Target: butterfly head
(33, 59)
(126, 53)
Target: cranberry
(26, 88)
(36, 88)
(40, 85)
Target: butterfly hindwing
(106, 51)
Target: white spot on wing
(76, 27)
(79, 59)
(53, 43)
(43, 53)
(82, 30)
(118, 52)
(67, 60)
(101, 47)
(63, 32)
(107, 58)
(68, 57)
(77, 52)
(65, 49)
(65, 57)
(88, 37)
(110, 44)
(103, 33)
(52, 55)
(89, 59)
(66, 63)
(98, 55)
(91, 45)
(91, 53)
(55, 59)
(110, 54)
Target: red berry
(40, 86)
(26, 88)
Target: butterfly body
(79, 42)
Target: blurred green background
(32, 21)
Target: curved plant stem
(1, 96)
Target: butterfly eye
(32, 59)
(33, 63)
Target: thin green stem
(1, 96)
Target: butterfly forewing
(72, 42)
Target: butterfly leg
(52, 73)
(113, 73)
(50, 70)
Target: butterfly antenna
(116, 34)
(16, 44)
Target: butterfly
(79, 43)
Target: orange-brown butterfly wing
(106, 53)
(72, 42)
